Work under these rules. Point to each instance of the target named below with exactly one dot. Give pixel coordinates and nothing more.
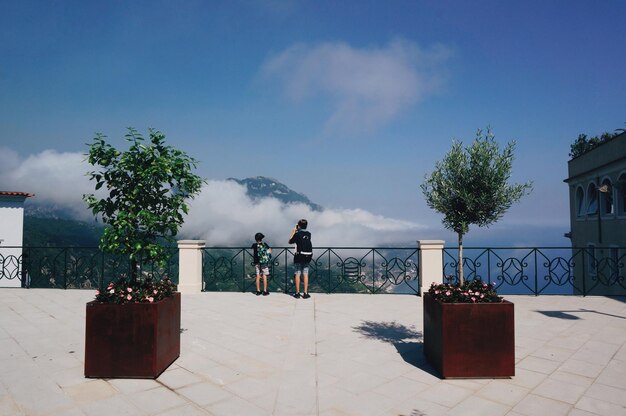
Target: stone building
(597, 190)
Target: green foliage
(146, 191)
(583, 144)
(470, 186)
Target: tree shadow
(408, 342)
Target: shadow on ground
(408, 342)
(568, 314)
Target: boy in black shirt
(304, 252)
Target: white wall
(11, 234)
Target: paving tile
(401, 388)
(156, 400)
(600, 407)
(502, 392)
(578, 412)
(581, 368)
(8, 406)
(278, 357)
(533, 405)
(204, 393)
(236, 406)
(89, 391)
(248, 388)
(539, 365)
(479, 406)
(614, 374)
(445, 394)
(560, 390)
(116, 405)
(130, 385)
(187, 410)
(608, 394)
(178, 377)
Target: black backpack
(305, 248)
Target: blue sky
(348, 102)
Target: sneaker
(266, 293)
(297, 296)
(306, 296)
(258, 293)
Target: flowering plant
(474, 291)
(139, 291)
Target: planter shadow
(406, 340)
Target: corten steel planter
(132, 340)
(470, 340)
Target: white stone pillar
(430, 263)
(190, 265)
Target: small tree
(470, 186)
(146, 191)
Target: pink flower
(482, 296)
(476, 293)
(150, 299)
(155, 291)
(473, 299)
(436, 292)
(448, 293)
(112, 291)
(129, 297)
(130, 289)
(97, 292)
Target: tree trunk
(134, 270)
(460, 262)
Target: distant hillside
(262, 187)
(51, 226)
(57, 232)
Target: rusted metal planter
(470, 340)
(133, 340)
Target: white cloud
(368, 86)
(222, 214)
(56, 179)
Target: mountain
(262, 187)
(51, 226)
(60, 232)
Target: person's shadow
(408, 342)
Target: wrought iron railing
(514, 270)
(542, 270)
(332, 270)
(73, 267)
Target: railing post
(430, 263)
(190, 265)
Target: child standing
(262, 258)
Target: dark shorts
(301, 268)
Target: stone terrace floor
(328, 355)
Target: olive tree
(470, 186)
(145, 193)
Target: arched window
(606, 197)
(580, 202)
(592, 199)
(621, 194)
